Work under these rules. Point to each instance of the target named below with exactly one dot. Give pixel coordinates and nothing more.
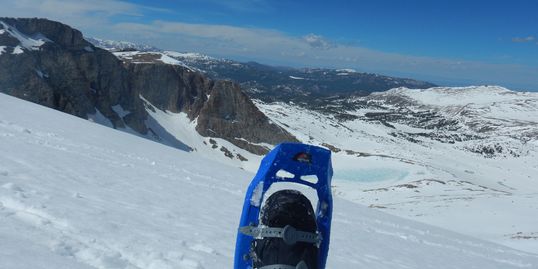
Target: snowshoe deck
(287, 208)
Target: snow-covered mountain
(458, 158)
(58, 68)
(465, 159)
(74, 194)
(113, 45)
(301, 85)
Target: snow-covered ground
(74, 194)
(437, 183)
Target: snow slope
(74, 194)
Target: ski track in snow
(74, 194)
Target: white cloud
(317, 41)
(59, 8)
(523, 39)
(274, 47)
(87, 15)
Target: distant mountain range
(340, 92)
(113, 45)
(309, 86)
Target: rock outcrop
(51, 64)
(231, 115)
(65, 72)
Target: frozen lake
(370, 174)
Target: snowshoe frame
(299, 160)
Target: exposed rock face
(170, 87)
(65, 72)
(49, 63)
(61, 34)
(231, 115)
(220, 108)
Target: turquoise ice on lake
(370, 175)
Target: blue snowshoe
(285, 232)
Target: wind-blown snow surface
(74, 194)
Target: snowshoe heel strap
(300, 265)
(289, 234)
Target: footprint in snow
(63, 248)
(190, 264)
(16, 127)
(12, 187)
(18, 191)
(202, 248)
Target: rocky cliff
(50, 63)
(233, 124)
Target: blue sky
(481, 30)
(446, 42)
